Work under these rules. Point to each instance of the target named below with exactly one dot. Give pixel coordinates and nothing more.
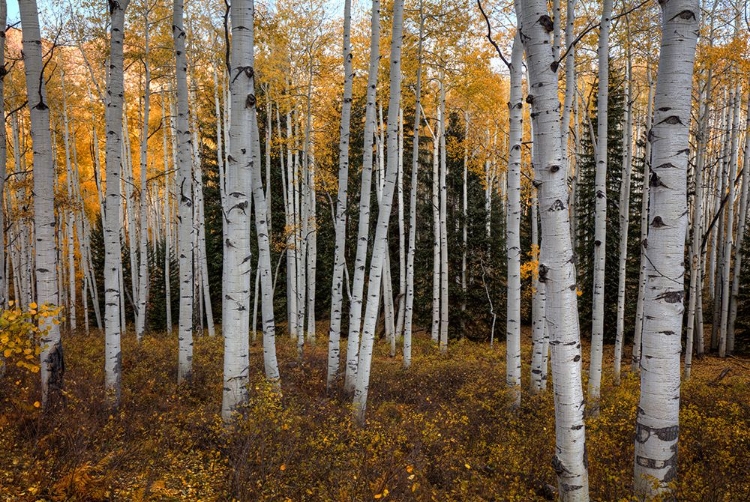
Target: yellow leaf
(283, 467)
(379, 495)
(37, 404)
(32, 305)
(467, 466)
(410, 477)
(409, 469)
(7, 353)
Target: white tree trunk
(45, 249)
(358, 281)
(441, 132)
(71, 219)
(600, 215)
(556, 267)
(637, 337)
(658, 411)
(729, 239)
(167, 218)
(513, 230)
(627, 160)
(185, 197)
(4, 268)
(143, 282)
(409, 306)
(384, 212)
(741, 228)
(401, 230)
(112, 252)
(436, 232)
(237, 257)
(339, 263)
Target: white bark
(600, 215)
(45, 249)
(556, 267)
(409, 307)
(167, 219)
(143, 282)
(513, 230)
(441, 132)
(384, 213)
(4, 268)
(264, 239)
(627, 160)
(637, 337)
(436, 232)
(401, 230)
(358, 281)
(237, 258)
(741, 228)
(339, 263)
(71, 219)
(729, 239)
(112, 252)
(657, 421)
(185, 197)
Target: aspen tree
(45, 248)
(143, 282)
(334, 334)
(384, 212)
(70, 222)
(600, 219)
(657, 420)
(112, 252)
(409, 306)
(237, 257)
(741, 228)
(185, 199)
(627, 159)
(556, 267)
(513, 230)
(3, 159)
(358, 281)
(441, 133)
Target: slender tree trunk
(600, 219)
(70, 223)
(627, 160)
(3, 159)
(143, 282)
(556, 267)
(729, 240)
(358, 282)
(741, 228)
(339, 263)
(443, 218)
(237, 257)
(401, 230)
(637, 337)
(436, 232)
(264, 238)
(384, 213)
(513, 231)
(409, 307)
(657, 421)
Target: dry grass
(440, 431)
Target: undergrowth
(439, 431)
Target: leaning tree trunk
(113, 203)
(657, 421)
(384, 212)
(513, 228)
(45, 248)
(556, 260)
(600, 216)
(237, 257)
(185, 200)
(358, 281)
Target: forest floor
(439, 431)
